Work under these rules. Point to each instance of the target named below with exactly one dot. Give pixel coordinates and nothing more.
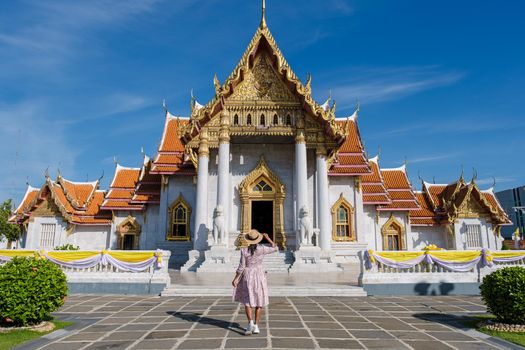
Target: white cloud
(369, 84)
(432, 158)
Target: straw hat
(253, 237)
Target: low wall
(399, 273)
(108, 272)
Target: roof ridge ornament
(262, 25)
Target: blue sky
(440, 83)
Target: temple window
(393, 233)
(128, 234)
(288, 120)
(473, 236)
(47, 235)
(342, 223)
(179, 215)
(275, 119)
(262, 186)
(236, 120)
(249, 119)
(262, 121)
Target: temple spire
(263, 19)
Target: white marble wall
(426, 235)
(86, 237)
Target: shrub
(67, 246)
(30, 289)
(503, 291)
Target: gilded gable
(262, 83)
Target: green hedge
(503, 291)
(30, 290)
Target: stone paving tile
(428, 345)
(450, 336)
(375, 334)
(292, 343)
(166, 334)
(64, 346)
(113, 345)
(248, 343)
(329, 333)
(154, 344)
(385, 344)
(404, 335)
(85, 336)
(200, 344)
(289, 333)
(339, 344)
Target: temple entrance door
(128, 242)
(262, 217)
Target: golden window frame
(386, 230)
(180, 201)
(350, 221)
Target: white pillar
(322, 194)
(301, 176)
(223, 172)
(200, 236)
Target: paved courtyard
(136, 322)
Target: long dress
(252, 289)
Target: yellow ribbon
(131, 257)
(400, 255)
(502, 254)
(15, 252)
(371, 255)
(68, 256)
(455, 256)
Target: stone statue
(219, 229)
(516, 238)
(306, 228)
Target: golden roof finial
(263, 19)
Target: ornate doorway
(393, 235)
(128, 234)
(262, 196)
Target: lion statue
(306, 228)
(219, 229)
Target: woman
(250, 280)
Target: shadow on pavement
(196, 317)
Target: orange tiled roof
(171, 157)
(399, 190)
(350, 158)
(425, 216)
(29, 197)
(78, 202)
(147, 190)
(373, 186)
(122, 189)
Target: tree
(8, 231)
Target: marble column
(301, 176)
(322, 195)
(201, 206)
(224, 169)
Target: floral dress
(252, 289)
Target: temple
(262, 154)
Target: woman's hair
(252, 248)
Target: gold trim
(179, 201)
(276, 194)
(386, 230)
(338, 203)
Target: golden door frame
(129, 227)
(389, 228)
(249, 194)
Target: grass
(516, 338)
(11, 339)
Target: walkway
(134, 322)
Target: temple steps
(275, 291)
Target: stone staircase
(275, 291)
(276, 262)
